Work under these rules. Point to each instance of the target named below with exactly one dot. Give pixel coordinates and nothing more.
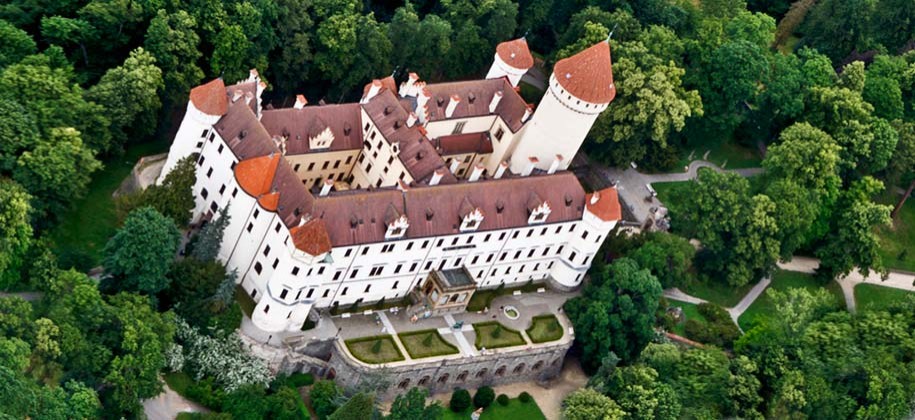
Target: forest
(821, 91)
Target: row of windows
(311, 166)
(462, 377)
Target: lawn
(178, 382)
(876, 297)
(718, 293)
(505, 337)
(690, 311)
(544, 328)
(84, 230)
(515, 410)
(763, 307)
(426, 343)
(483, 298)
(728, 155)
(899, 240)
(368, 349)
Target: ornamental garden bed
(426, 343)
(493, 335)
(516, 409)
(544, 328)
(374, 350)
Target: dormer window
(539, 213)
(471, 220)
(397, 228)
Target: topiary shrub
(428, 340)
(376, 348)
(460, 400)
(484, 397)
(525, 397)
(502, 399)
(496, 332)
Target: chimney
(532, 162)
(503, 166)
(527, 113)
(495, 101)
(477, 172)
(328, 184)
(300, 102)
(421, 101)
(252, 75)
(437, 176)
(237, 95)
(452, 104)
(411, 119)
(555, 165)
(406, 88)
(373, 90)
(595, 197)
(454, 165)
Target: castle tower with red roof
(512, 60)
(580, 88)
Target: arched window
(424, 381)
(463, 376)
(404, 384)
(501, 371)
(482, 373)
(519, 368)
(444, 378)
(537, 366)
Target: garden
(375, 350)
(493, 335)
(482, 299)
(764, 308)
(876, 297)
(545, 328)
(503, 407)
(426, 343)
(690, 312)
(897, 242)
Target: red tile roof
(210, 98)
(607, 205)
(298, 125)
(515, 53)
(588, 75)
(269, 201)
(464, 143)
(255, 175)
(511, 108)
(311, 237)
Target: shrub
(376, 348)
(496, 332)
(484, 397)
(428, 340)
(324, 396)
(502, 399)
(460, 400)
(525, 397)
(299, 379)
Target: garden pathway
(389, 329)
(748, 299)
(168, 404)
(465, 346)
(677, 294)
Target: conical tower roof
(588, 75)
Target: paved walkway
(168, 404)
(677, 294)
(748, 299)
(388, 328)
(28, 296)
(631, 184)
(465, 346)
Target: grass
(84, 230)
(690, 311)
(362, 349)
(178, 382)
(730, 154)
(515, 410)
(718, 293)
(507, 337)
(244, 300)
(763, 308)
(545, 328)
(875, 297)
(899, 237)
(415, 343)
(482, 299)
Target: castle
(336, 205)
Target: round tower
(207, 104)
(581, 87)
(512, 60)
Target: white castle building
(353, 203)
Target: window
(337, 275)
(409, 245)
(209, 172)
(425, 244)
(214, 207)
(266, 250)
(428, 265)
(439, 243)
(276, 262)
(584, 235)
(365, 250)
(326, 164)
(296, 167)
(459, 127)
(499, 133)
(515, 234)
(234, 192)
(348, 252)
(250, 226)
(204, 193)
(454, 241)
(572, 256)
(336, 164)
(367, 287)
(517, 255)
(232, 166)
(219, 150)
(343, 293)
(502, 257)
(256, 213)
(530, 232)
(277, 228)
(413, 267)
(486, 239)
(376, 271)
(200, 161)
(531, 253)
(353, 274)
(310, 292)
(326, 292)
(258, 267)
(559, 251)
(397, 269)
(284, 293)
(295, 271)
(222, 189)
(543, 232)
(394, 287)
(474, 260)
(204, 134)
(266, 308)
(349, 159)
(489, 258)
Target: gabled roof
(588, 75)
(605, 204)
(515, 53)
(210, 98)
(511, 108)
(298, 125)
(311, 237)
(458, 144)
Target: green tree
(67, 32)
(838, 27)
(588, 404)
(174, 198)
(641, 394)
(885, 95)
(56, 172)
(82, 401)
(209, 239)
(130, 95)
(325, 397)
(412, 406)
(295, 29)
(230, 54)
(668, 257)
(359, 406)
(731, 80)
(852, 241)
(139, 254)
(15, 317)
(20, 131)
(173, 41)
(901, 168)
(615, 313)
(14, 354)
(743, 389)
(460, 400)
(807, 156)
(15, 44)
(15, 230)
(483, 397)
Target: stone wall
(498, 368)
